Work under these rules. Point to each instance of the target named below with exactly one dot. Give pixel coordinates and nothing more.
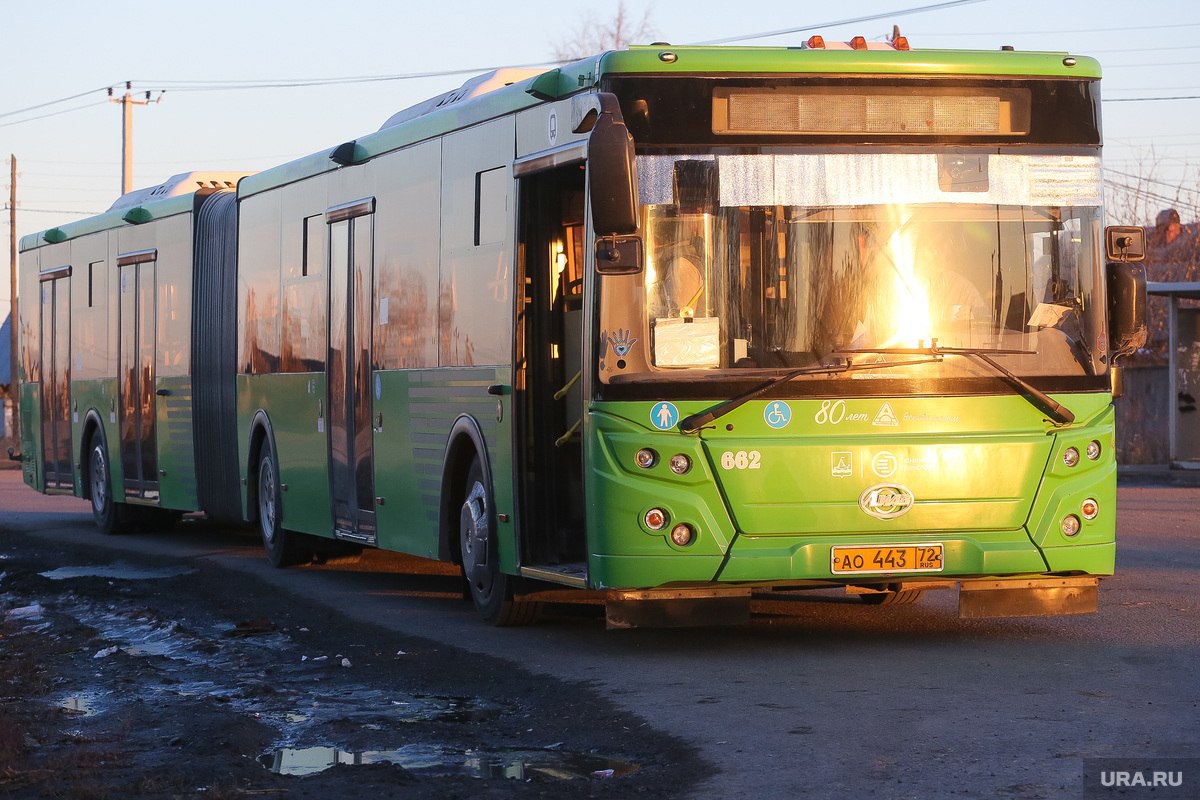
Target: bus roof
(505, 92)
(175, 195)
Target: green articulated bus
(673, 325)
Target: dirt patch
(148, 680)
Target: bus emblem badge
(886, 501)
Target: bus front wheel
(490, 589)
(279, 545)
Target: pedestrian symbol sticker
(664, 416)
(842, 464)
(777, 414)
(886, 416)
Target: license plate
(892, 558)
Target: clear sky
(71, 162)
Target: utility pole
(13, 327)
(127, 103)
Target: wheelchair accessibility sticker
(777, 414)
(664, 416)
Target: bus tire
(280, 546)
(110, 516)
(490, 589)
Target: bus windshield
(751, 268)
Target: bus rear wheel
(105, 511)
(490, 589)
(280, 546)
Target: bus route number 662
(741, 459)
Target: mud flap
(1041, 597)
(677, 608)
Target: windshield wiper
(1039, 399)
(695, 422)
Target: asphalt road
(829, 698)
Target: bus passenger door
(549, 379)
(56, 377)
(137, 356)
(351, 432)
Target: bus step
(677, 608)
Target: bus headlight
(1070, 525)
(682, 534)
(646, 458)
(1071, 456)
(680, 464)
(1093, 450)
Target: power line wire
(52, 102)
(1122, 29)
(51, 114)
(867, 18)
(1144, 99)
(1138, 191)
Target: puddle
(81, 705)
(438, 761)
(119, 571)
(370, 709)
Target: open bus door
(549, 393)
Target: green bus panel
(96, 401)
(31, 435)
(419, 408)
(790, 492)
(294, 404)
(176, 449)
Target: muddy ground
(161, 680)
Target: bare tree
(592, 36)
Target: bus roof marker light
(138, 215)
(858, 43)
(815, 43)
(668, 57)
(1069, 61)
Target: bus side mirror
(619, 255)
(612, 173)
(1124, 243)
(1126, 307)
